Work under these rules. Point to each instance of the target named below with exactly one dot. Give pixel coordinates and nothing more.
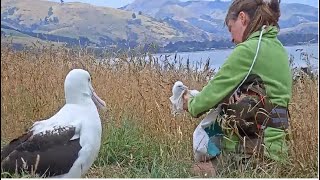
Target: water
(218, 57)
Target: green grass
(126, 152)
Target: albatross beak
(96, 99)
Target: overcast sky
(120, 3)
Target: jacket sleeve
(231, 74)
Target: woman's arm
(224, 82)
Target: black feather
(49, 153)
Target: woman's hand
(185, 98)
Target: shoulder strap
(254, 59)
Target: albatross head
(78, 89)
(178, 88)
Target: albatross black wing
(14, 144)
(50, 153)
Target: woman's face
(237, 27)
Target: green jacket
(272, 65)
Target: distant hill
(100, 25)
(164, 22)
(209, 15)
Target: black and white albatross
(66, 144)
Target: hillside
(209, 15)
(141, 22)
(100, 25)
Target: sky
(120, 3)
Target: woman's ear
(243, 18)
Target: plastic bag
(206, 137)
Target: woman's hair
(260, 12)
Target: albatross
(176, 99)
(66, 144)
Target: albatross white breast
(66, 144)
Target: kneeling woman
(253, 85)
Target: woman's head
(247, 16)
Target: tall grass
(140, 136)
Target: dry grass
(137, 90)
